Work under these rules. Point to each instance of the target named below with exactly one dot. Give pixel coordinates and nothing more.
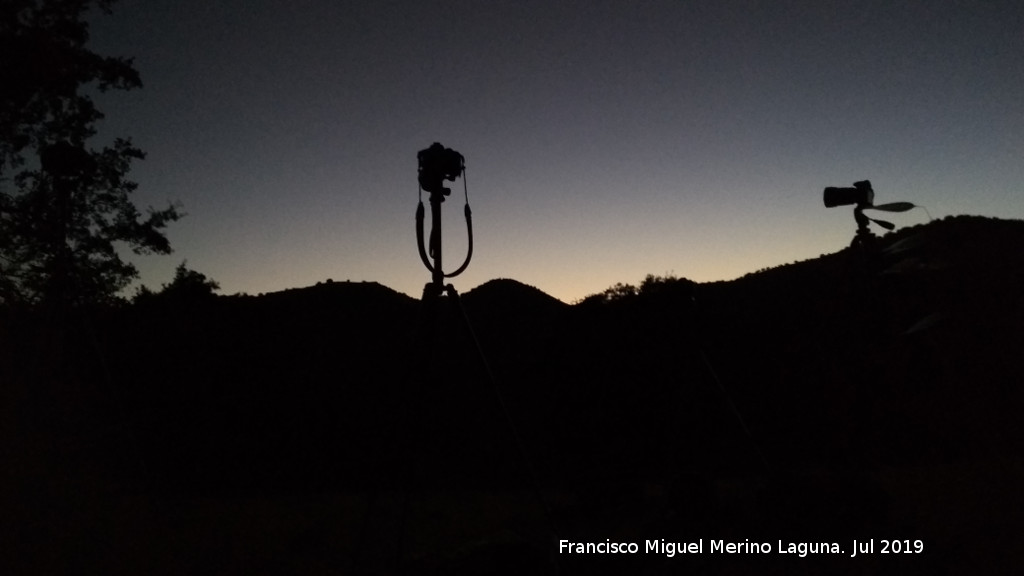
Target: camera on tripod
(862, 197)
(861, 194)
(438, 164)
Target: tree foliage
(651, 287)
(64, 204)
(187, 286)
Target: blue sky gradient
(603, 140)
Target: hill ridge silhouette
(952, 236)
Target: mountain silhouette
(506, 294)
(861, 394)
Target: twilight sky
(604, 140)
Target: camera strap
(421, 216)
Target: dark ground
(861, 395)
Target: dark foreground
(870, 398)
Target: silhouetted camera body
(861, 194)
(438, 164)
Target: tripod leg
(527, 462)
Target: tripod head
(862, 197)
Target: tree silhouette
(64, 205)
(187, 286)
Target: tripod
(441, 315)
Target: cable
(732, 405)
(735, 411)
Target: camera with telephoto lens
(438, 164)
(861, 194)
